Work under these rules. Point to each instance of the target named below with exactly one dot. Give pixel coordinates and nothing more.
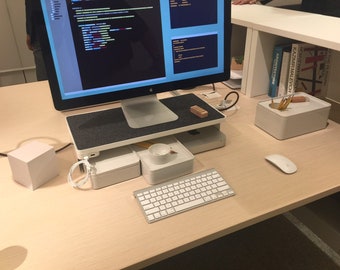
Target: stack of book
(299, 67)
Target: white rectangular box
(114, 166)
(299, 118)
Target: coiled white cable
(87, 167)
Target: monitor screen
(99, 51)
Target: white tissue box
(299, 118)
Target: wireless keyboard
(182, 194)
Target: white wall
(16, 61)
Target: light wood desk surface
(58, 227)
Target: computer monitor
(100, 51)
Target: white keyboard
(182, 194)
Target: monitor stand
(146, 111)
(103, 130)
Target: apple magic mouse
(283, 163)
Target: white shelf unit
(267, 26)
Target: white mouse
(282, 162)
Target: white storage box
(179, 163)
(299, 118)
(114, 166)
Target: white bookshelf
(266, 26)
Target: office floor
(272, 244)
(323, 218)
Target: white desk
(58, 227)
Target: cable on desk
(57, 151)
(64, 147)
(224, 104)
(87, 167)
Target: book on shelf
(295, 57)
(276, 68)
(282, 88)
(313, 70)
(308, 70)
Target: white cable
(87, 168)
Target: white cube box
(299, 118)
(33, 164)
